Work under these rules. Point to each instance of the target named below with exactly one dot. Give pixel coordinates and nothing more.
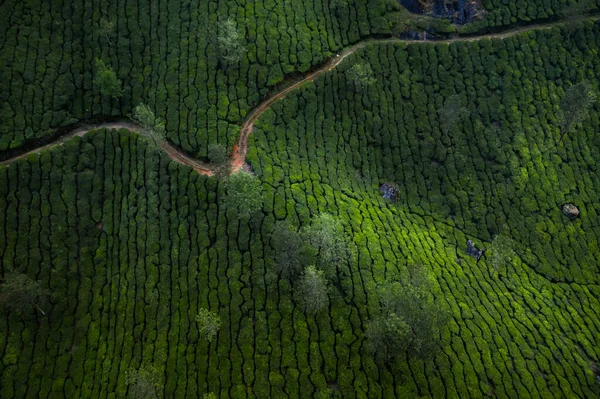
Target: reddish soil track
(238, 154)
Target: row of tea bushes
(164, 53)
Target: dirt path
(238, 153)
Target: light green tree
(209, 323)
(311, 290)
(143, 383)
(153, 128)
(229, 42)
(361, 75)
(292, 253)
(501, 252)
(105, 79)
(217, 155)
(106, 29)
(410, 319)
(243, 194)
(19, 293)
(451, 113)
(575, 105)
(331, 244)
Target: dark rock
(473, 251)
(389, 191)
(570, 210)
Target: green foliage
(106, 29)
(292, 253)
(217, 154)
(575, 105)
(230, 42)
(209, 395)
(143, 383)
(209, 323)
(501, 252)
(19, 293)
(243, 194)
(361, 75)
(411, 319)
(326, 235)
(311, 290)
(153, 128)
(451, 113)
(105, 79)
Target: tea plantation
(132, 245)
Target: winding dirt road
(238, 154)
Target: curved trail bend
(238, 154)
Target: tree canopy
(18, 292)
(410, 319)
(361, 75)
(243, 194)
(292, 252)
(326, 235)
(311, 290)
(229, 41)
(105, 79)
(153, 128)
(209, 323)
(575, 105)
(452, 112)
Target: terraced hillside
(164, 53)
(132, 244)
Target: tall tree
(209, 323)
(243, 194)
(501, 251)
(311, 290)
(575, 105)
(217, 155)
(153, 128)
(18, 292)
(143, 383)
(326, 235)
(410, 320)
(106, 80)
(361, 75)
(106, 29)
(292, 252)
(451, 113)
(229, 41)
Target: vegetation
(143, 383)
(451, 113)
(229, 42)
(133, 245)
(243, 194)
(20, 293)
(292, 253)
(106, 29)
(410, 320)
(153, 128)
(311, 291)
(500, 252)
(575, 105)
(361, 75)
(209, 323)
(106, 80)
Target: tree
(229, 42)
(20, 293)
(243, 194)
(143, 383)
(153, 128)
(576, 9)
(410, 320)
(311, 291)
(501, 251)
(451, 113)
(217, 155)
(292, 253)
(361, 75)
(106, 80)
(326, 235)
(209, 323)
(106, 29)
(575, 105)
